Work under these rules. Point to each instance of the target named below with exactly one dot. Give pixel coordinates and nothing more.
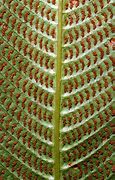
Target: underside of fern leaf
(56, 93)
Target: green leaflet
(56, 89)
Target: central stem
(56, 134)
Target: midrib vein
(56, 116)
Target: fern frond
(56, 89)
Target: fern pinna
(56, 89)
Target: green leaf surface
(56, 89)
